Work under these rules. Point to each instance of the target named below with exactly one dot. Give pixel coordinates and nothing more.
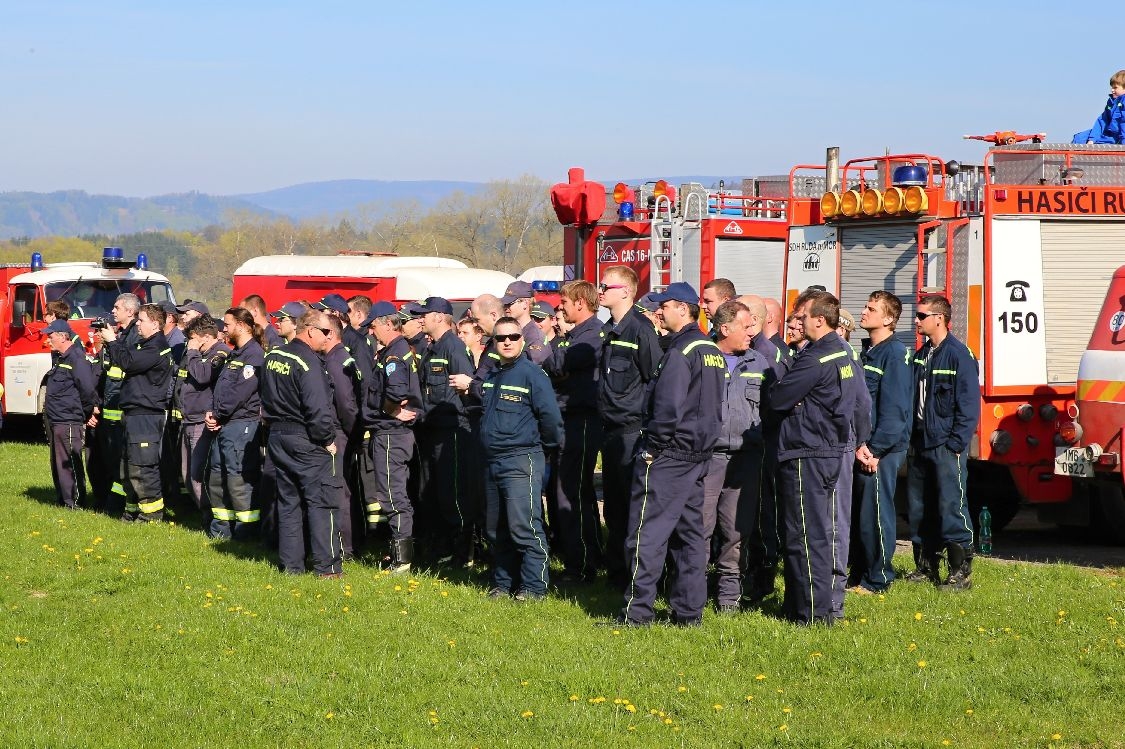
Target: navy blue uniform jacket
(816, 406)
(887, 371)
(344, 378)
(71, 388)
(396, 380)
(631, 355)
(686, 399)
(294, 390)
(952, 394)
(147, 365)
(362, 349)
(520, 410)
(194, 394)
(236, 389)
(574, 366)
(445, 408)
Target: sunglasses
(505, 337)
(924, 315)
(323, 331)
(604, 287)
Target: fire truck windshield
(95, 297)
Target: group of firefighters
(352, 420)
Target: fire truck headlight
(916, 200)
(851, 203)
(1025, 412)
(1093, 451)
(893, 200)
(1069, 433)
(1001, 442)
(1048, 412)
(872, 202)
(830, 205)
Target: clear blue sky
(141, 98)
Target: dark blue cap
(410, 310)
(290, 309)
(333, 302)
(59, 326)
(646, 303)
(542, 310)
(517, 290)
(437, 304)
(379, 309)
(681, 291)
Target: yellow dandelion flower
(969, 711)
(1062, 613)
(667, 721)
(912, 647)
(749, 697)
(760, 677)
(921, 664)
(783, 727)
(574, 698)
(632, 728)
(617, 631)
(717, 707)
(817, 654)
(21, 640)
(787, 710)
(631, 708)
(946, 742)
(451, 643)
(653, 711)
(863, 620)
(681, 689)
(329, 716)
(523, 683)
(445, 594)
(527, 714)
(1056, 736)
(917, 616)
(398, 587)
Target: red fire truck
(284, 278)
(89, 288)
(1016, 243)
(691, 234)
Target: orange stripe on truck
(1103, 391)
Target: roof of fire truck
(450, 283)
(62, 272)
(542, 273)
(359, 266)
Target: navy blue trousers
(666, 521)
(68, 463)
(235, 467)
(842, 531)
(877, 524)
(618, 454)
(576, 524)
(301, 472)
(514, 522)
(140, 466)
(805, 492)
(937, 501)
(762, 546)
(390, 458)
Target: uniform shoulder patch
(247, 372)
(390, 368)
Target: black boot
(960, 568)
(927, 567)
(402, 555)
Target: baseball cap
(646, 303)
(847, 320)
(516, 290)
(542, 310)
(379, 309)
(681, 291)
(59, 326)
(437, 304)
(410, 310)
(290, 309)
(333, 302)
(193, 306)
(169, 308)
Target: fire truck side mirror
(19, 311)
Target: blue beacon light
(36, 261)
(142, 261)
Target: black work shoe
(524, 596)
(922, 575)
(498, 592)
(959, 580)
(726, 609)
(621, 622)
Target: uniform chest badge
(247, 372)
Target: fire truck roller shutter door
(754, 266)
(881, 257)
(1078, 257)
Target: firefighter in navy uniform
(147, 365)
(574, 368)
(444, 435)
(817, 409)
(946, 412)
(393, 401)
(109, 432)
(192, 397)
(681, 428)
(521, 419)
(297, 410)
(631, 352)
(344, 377)
(71, 396)
(236, 462)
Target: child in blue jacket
(1110, 125)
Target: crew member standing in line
(520, 419)
(771, 328)
(731, 486)
(71, 395)
(946, 412)
(887, 372)
(344, 377)
(680, 432)
(715, 292)
(816, 410)
(631, 353)
(517, 300)
(236, 462)
(297, 410)
(109, 432)
(147, 365)
(394, 394)
(257, 307)
(574, 368)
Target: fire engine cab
(1016, 243)
(89, 288)
(691, 234)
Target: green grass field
(127, 636)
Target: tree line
(507, 226)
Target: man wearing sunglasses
(518, 300)
(682, 422)
(629, 360)
(946, 411)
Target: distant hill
(328, 199)
(75, 212)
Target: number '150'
(1019, 322)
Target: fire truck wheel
(992, 485)
(1107, 515)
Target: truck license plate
(1072, 461)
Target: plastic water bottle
(985, 545)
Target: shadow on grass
(250, 551)
(44, 495)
